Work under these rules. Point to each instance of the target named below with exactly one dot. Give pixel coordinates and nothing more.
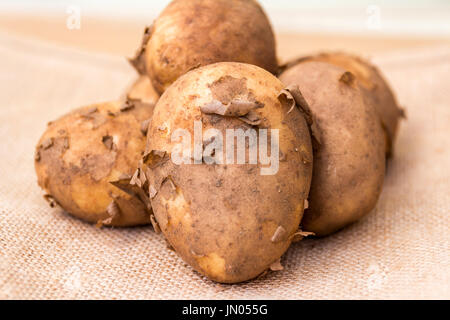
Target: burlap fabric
(401, 250)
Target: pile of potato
(214, 62)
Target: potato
(142, 91)
(193, 33)
(374, 86)
(82, 152)
(349, 161)
(229, 221)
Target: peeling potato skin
(221, 218)
(142, 90)
(375, 88)
(349, 164)
(193, 33)
(92, 146)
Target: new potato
(193, 33)
(349, 158)
(81, 153)
(375, 88)
(228, 221)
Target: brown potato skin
(375, 88)
(221, 218)
(193, 33)
(77, 168)
(142, 90)
(349, 162)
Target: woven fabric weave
(400, 250)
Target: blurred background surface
(400, 251)
(363, 27)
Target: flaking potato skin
(82, 152)
(193, 33)
(228, 222)
(349, 161)
(375, 88)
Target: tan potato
(80, 154)
(232, 221)
(193, 33)
(349, 161)
(374, 86)
(142, 91)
